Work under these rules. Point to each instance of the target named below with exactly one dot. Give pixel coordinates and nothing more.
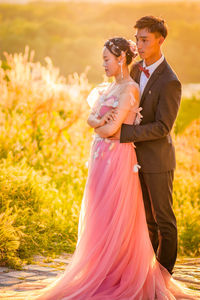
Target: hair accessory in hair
(133, 48)
(114, 49)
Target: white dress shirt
(143, 78)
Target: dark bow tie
(146, 71)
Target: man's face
(148, 43)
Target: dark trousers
(157, 195)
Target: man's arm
(166, 113)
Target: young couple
(123, 253)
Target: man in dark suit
(160, 92)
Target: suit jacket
(160, 103)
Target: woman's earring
(122, 75)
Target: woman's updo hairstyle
(118, 44)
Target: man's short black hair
(153, 24)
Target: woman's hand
(108, 117)
(95, 121)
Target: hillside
(73, 34)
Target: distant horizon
(100, 1)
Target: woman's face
(110, 63)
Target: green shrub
(187, 190)
(35, 217)
(10, 236)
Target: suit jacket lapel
(138, 74)
(151, 80)
(135, 72)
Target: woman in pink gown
(114, 258)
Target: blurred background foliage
(44, 147)
(44, 138)
(73, 34)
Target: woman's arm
(110, 128)
(94, 120)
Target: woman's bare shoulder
(133, 85)
(129, 93)
(130, 85)
(131, 88)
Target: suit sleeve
(166, 113)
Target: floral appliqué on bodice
(101, 100)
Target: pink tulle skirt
(114, 258)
